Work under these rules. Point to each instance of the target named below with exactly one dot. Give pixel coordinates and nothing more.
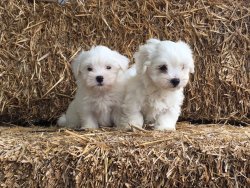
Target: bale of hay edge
(38, 40)
(193, 156)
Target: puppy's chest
(103, 104)
(155, 105)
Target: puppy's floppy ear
(122, 60)
(186, 49)
(191, 68)
(144, 54)
(76, 63)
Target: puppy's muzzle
(175, 81)
(99, 79)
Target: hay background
(193, 156)
(37, 42)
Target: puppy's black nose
(175, 81)
(99, 79)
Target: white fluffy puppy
(99, 75)
(155, 94)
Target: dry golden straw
(193, 156)
(37, 42)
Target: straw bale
(38, 40)
(193, 156)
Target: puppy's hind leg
(62, 121)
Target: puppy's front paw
(124, 127)
(128, 127)
(165, 127)
(90, 124)
(166, 122)
(127, 123)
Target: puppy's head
(166, 63)
(99, 67)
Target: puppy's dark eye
(108, 67)
(163, 68)
(182, 67)
(89, 69)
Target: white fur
(94, 102)
(150, 96)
